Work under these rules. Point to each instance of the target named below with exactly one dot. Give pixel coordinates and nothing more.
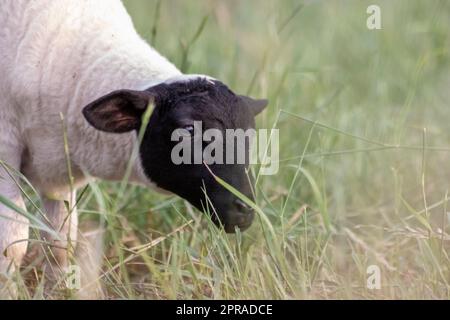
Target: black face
(183, 105)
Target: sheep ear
(118, 112)
(256, 105)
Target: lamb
(78, 67)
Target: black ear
(119, 111)
(256, 105)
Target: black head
(185, 105)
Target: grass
(364, 159)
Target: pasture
(364, 163)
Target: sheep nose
(242, 207)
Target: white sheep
(56, 57)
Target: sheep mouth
(232, 228)
(238, 220)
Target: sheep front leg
(13, 226)
(56, 247)
(63, 217)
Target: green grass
(364, 158)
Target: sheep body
(56, 57)
(60, 55)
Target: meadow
(364, 165)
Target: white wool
(56, 56)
